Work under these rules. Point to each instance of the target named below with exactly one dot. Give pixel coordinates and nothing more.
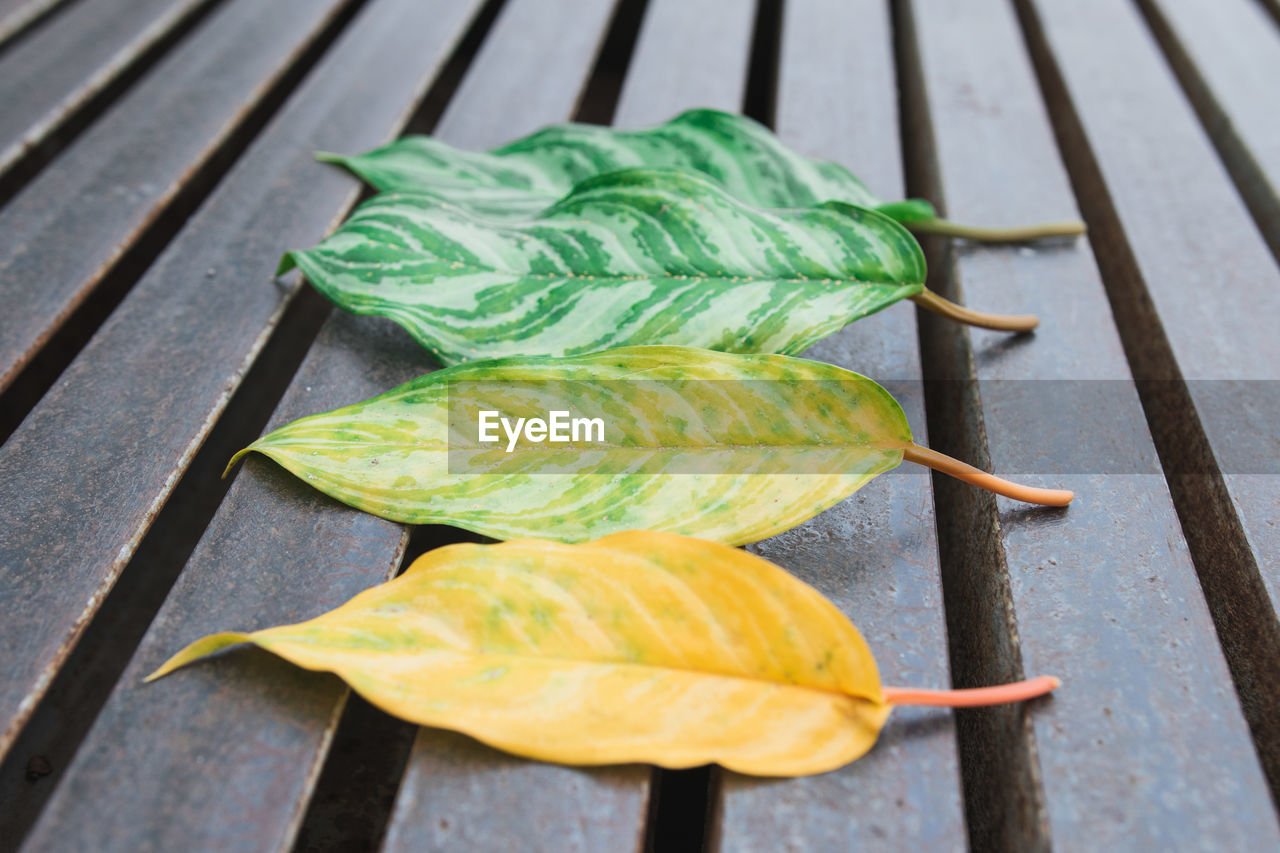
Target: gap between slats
(1246, 624)
(26, 19)
(1004, 801)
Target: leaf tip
(287, 263)
(328, 157)
(200, 648)
(234, 459)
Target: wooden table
(156, 159)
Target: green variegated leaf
(733, 448)
(523, 177)
(632, 257)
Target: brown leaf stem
(997, 322)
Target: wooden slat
(496, 103)
(1145, 745)
(842, 102)
(17, 15)
(1197, 294)
(116, 181)
(875, 555)
(1227, 55)
(456, 792)
(46, 78)
(460, 795)
(223, 756)
(84, 475)
(689, 53)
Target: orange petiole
(977, 477)
(974, 697)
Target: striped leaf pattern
(523, 177)
(641, 646)
(628, 258)
(732, 448)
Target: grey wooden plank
(496, 104)
(1145, 745)
(689, 53)
(457, 792)
(117, 179)
(223, 756)
(876, 554)
(46, 78)
(1227, 55)
(17, 15)
(85, 473)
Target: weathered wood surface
(496, 103)
(1196, 295)
(232, 750)
(1146, 740)
(1227, 56)
(692, 52)
(17, 15)
(875, 555)
(119, 178)
(91, 465)
(47, 78)
(458, 793)
(1148, 743)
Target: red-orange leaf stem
(977, 477)
(974, 697)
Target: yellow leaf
(641, 646)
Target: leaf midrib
(540, 446)
(755, 679)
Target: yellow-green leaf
(733, 448)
